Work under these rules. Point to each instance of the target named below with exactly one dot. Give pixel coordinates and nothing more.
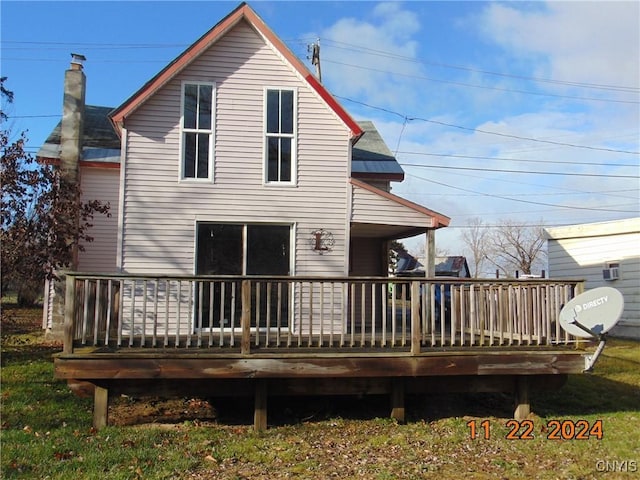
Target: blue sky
(469, 94)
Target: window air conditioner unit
(611, 273)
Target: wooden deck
(287, 336)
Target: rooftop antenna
(591, 315)
(314, 50)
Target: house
(247, 248)
(604, 254)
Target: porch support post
(245, 319)
(260, 406)
(69, 313)
(430, 252)
(523, 405)
(100, 407)
(397, 400)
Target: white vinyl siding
(160, 212)
(99, 256)
(369, 207)
(583, 251)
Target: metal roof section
(101, 142)
(372, 159)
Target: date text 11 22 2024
(551, 430)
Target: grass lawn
(46, 431)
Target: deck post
(416, 334)
(523, 405)
(100, 407)
(397, 399)
(245, 319)
(260, 406)
(69, 313)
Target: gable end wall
(160, 212)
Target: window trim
(210, 132)
(291, 322)
(293, 136)
(292, 240)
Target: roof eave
(243, 11)
(439, 220)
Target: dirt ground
(20, 327)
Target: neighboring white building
(603, 254)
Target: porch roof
(376, 213)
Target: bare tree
(514, 246)
(475, 238)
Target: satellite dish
(592, 314)
(598, 310)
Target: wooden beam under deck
(156, 365)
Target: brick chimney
(71, 129)
(72, 118)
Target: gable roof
(242, 12)
(100, 142)
(372, 159)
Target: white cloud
(353, 41)
(591, 42)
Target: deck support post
(397, 400)
(100, 407)
(523, 405)
(69, 313)
(260, 406)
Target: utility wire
(475, 157)
(382, 53)
(487, 132)
(485, 87)
(523, 201)
(336, 44)
(499, 170)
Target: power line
(487, 132)
(523, 201)
(564, 190)
(34, 116)
(537, 194)
(475, 157)
(336, 44)
(485, 72)
(486, 87)
(499, 170)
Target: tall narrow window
(197, 131)
(280, 138)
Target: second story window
(197, 131)
(280, 135)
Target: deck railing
(246, 314)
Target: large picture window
(197, 131)
(234, 249)
(280, 135)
